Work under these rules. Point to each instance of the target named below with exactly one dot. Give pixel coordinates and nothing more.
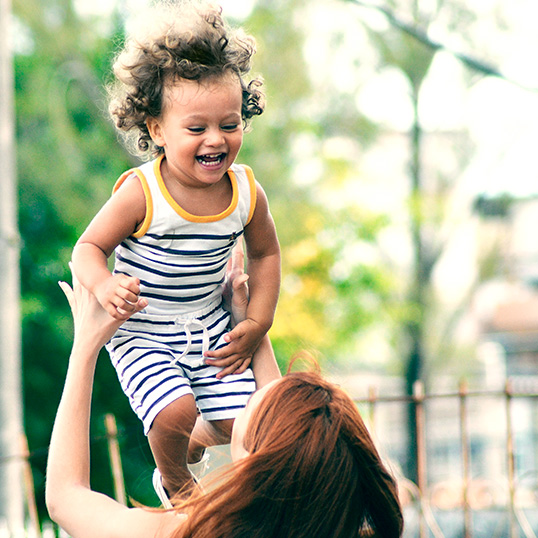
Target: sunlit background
(398, 154)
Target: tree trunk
(11, 488)
(420, 280)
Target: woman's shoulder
(153, 523)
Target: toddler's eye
(196, 130)
(230, 127)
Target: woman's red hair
(312, 471)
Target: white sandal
(199, 469)
(159, 489)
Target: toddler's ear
(155, 131)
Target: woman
(304, 463)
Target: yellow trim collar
(144, 226)
(189, 216)
(253, 191)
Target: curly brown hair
(177, 40)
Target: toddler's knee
(177, 417)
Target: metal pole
(466, 460)
(11, 483)
(418, 398)
(115, 458)
(510, 460)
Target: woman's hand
(236, 288)
(93, 325)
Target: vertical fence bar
(29, 487)
(418, 399)
(372, 399)
(467, 519)
(510, 460)
(115, 458)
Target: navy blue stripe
(193, 236)
(170, 263)
(168, 299)
(156, 387)
(145, 369)
(225, 408)
(144, 355)
(166, 394)
(177, 252)
(224, 395)
(115, 346)
(141, 319)
(151, 337)
(147, 269)
(171, 287)
(195, 368)
(219, 381)
(154, 374)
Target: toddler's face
(200, 129)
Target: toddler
(180, 93)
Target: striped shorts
(158, 359)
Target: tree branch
(421, 35)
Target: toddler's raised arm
(119, 218)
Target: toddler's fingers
(235, 368)
(220, 359)
(131, 284)
(225, 352)
(141, 304)
(133, 308)
(234, 334)
(128, 295)
(117, 312)
(244, 366)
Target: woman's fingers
(68, 292)
(76, 283)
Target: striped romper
(180, 260)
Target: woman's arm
(236, 297)
(263, 267)
(84, 513)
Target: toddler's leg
(169, 440)
(208, 433)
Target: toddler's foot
(159, 489)
(199, 469)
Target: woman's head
(174, 41)
(310, 467)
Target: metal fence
(504, 505)
(501, 504)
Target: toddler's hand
(93, 325)
(119, 295)
(235, 357)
